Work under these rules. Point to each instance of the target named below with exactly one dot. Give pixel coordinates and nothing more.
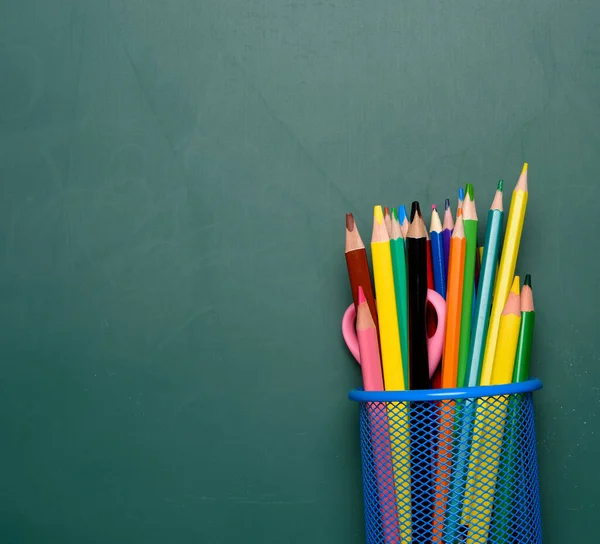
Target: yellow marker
(489, 431)
(506, 271)
(393, 375)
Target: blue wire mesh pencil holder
(450, 466)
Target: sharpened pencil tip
(500, 185)
(525, 167)
(446, 204)
(402, 213)
(470, 191)
(378, 212)
(361, 295)
(527, 280)
(350, 222)
(386, 211)
(433, 207)
(516, 285)
(415, 211)
(461, 193)
(394, 214)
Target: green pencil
(401, 288)
(470, 224)
(523, 356)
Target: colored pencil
(366, 332)
(437, 253)
(387, 218)
(358, 266)
(389, 335)
(510, 453)
(380, 439)
(430, 317)
(493, 235)
(400, 287)
(449, 374)
(523, 356)
(470, 224)
(489, 432)
(479, 331)
(508, 261)
(403, 218)
(454, 302)
(447, 233)
(393, 376)
(416, 253)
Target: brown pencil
(358, 266)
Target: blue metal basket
(450, 466)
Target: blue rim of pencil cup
(359, 395)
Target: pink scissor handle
(435, 343)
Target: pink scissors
(435, 343)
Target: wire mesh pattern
(451, 471)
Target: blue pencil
(437, 253)
(448, 227)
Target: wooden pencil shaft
(417, 300)
(523, 356)
(359, 274)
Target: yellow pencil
(489, 426)
(489, 431)
(389, 335)
(393, 375)
(506, 271)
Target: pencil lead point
(527, 280)
(378, 212)
(447, 204)
(500, 185)
(470, 191)
(461, 193)
(525, 167)
(402, 211)
(415, 211)
(516, 285)
(350, 222)
(394, 214)
(361, 295)
(433, 207)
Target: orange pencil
(456, 269)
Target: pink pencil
(370, 364)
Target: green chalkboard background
(173, 179)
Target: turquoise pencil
(481, 319)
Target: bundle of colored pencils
(489, 318)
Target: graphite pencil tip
(350, 222)
(527, 280)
